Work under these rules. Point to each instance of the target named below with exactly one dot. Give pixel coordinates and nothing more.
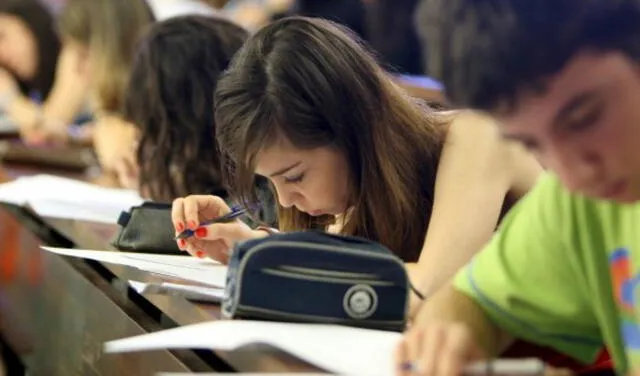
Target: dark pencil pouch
(317, 277)
(147, 229)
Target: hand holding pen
(207, 227)
(445, 348)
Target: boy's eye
(294, 179)
(585, 119)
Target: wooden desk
(172, 311)
(56, 313)
(62, 321)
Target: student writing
(348, 151)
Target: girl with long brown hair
(348, 151)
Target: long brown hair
(110, 30)
(169, 100)
(311, 82)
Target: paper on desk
(191, 292)
(242, 374)
(337, 349)
(205, 271)
(59, 197)
(95, 212)
(7, 126)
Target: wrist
(265, 231)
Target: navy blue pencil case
(317, 277)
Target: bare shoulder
(474, 139)
(472, 131)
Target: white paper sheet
(243, 374)
(58, 197)
(191, 292)
(95, 212)
(205, 271)
(7, 126)
(336, 349)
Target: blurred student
(561, 77)
(42, 84)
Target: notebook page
(336, 349)
(67, 198)
(205, 271)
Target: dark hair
(41, 23)
(308, 81)
(488, 52)
(170, 101)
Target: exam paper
(205, 271)
(242, 374)
(191, 292)
(7, 126)
(336, 349)
(59, 197)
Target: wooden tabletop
(56, 311)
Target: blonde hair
(110, 30)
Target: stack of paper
(190, 292)
(337, 349)
(204, 271)
(53, 196)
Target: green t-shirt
(562, 271)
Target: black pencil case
(147, 228)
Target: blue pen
(236, 212)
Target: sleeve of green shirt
(528, 278)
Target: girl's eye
(295, 179)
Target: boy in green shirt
(563, 78)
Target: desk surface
(57, 311)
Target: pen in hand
(235, 213)
(497, 367)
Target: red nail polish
(182, 243)
(201, 232)
(180, 226)
(200, 254)
(193, 225)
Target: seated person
(562, 270)
(31, 60)
(106, 32)
(169, 101)
(348, 151)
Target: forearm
(440, 261)
(450, 305)
(53, 117)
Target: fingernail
(180, 226)
(201, 232)
(200, 254)
(182, 243)
(193, 225)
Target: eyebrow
(285, 170)
(575, 103)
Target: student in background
(31, 61)
(348, 151)
(106, 32)
(563, 269)
(169, 99)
